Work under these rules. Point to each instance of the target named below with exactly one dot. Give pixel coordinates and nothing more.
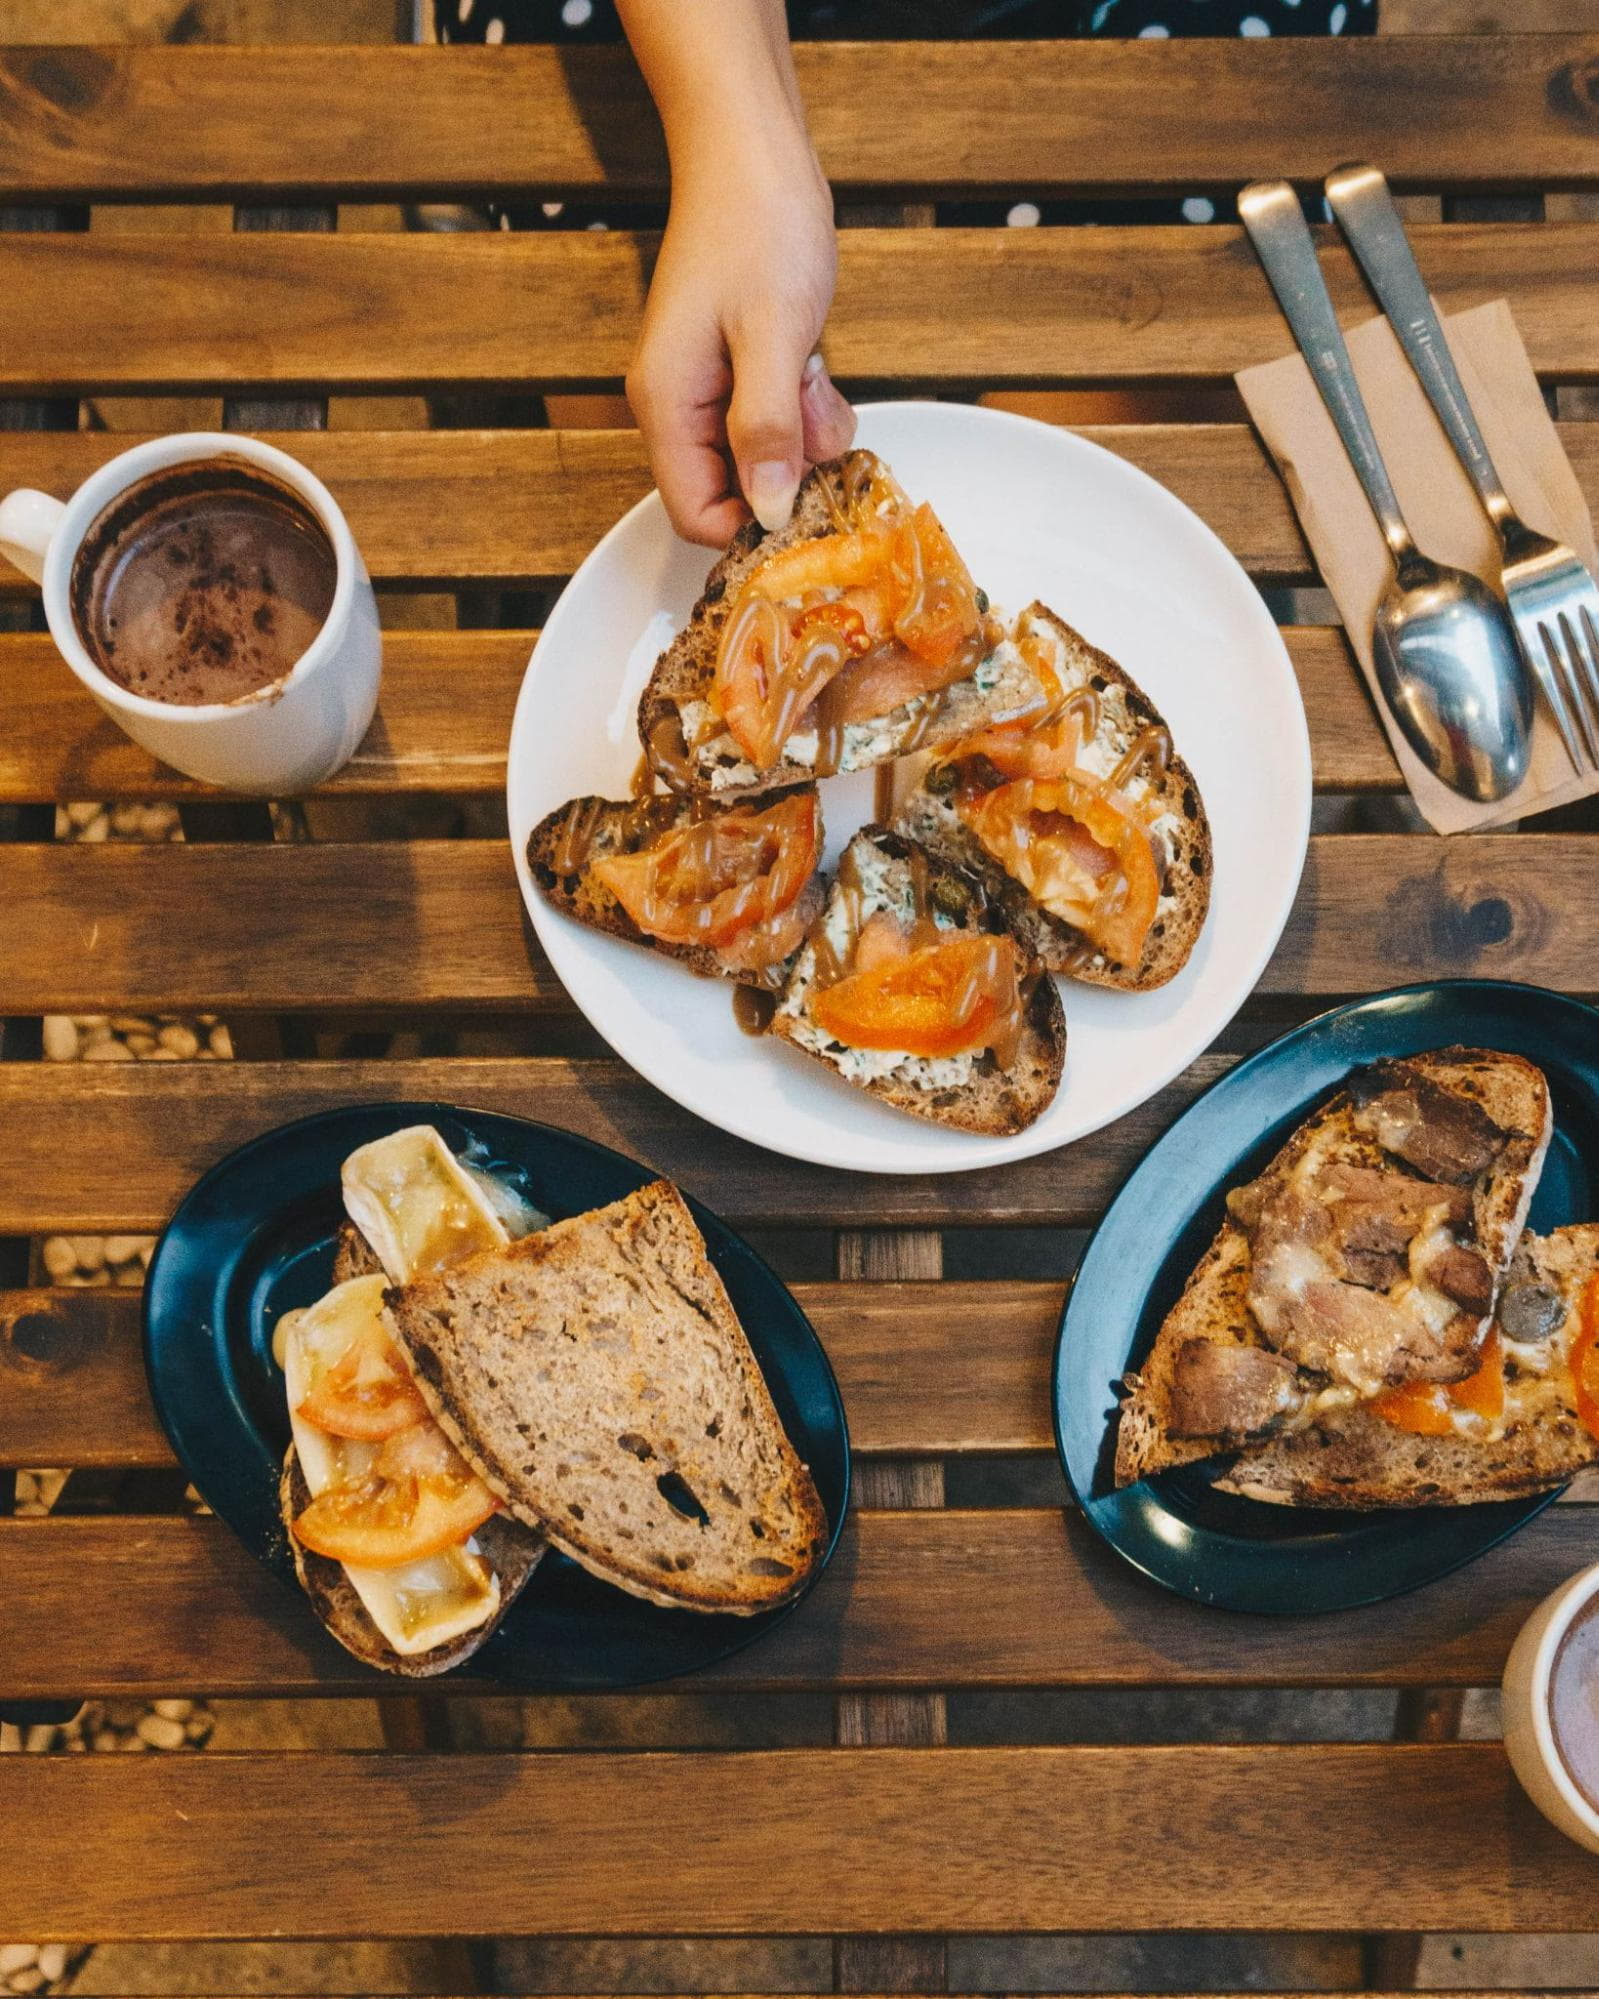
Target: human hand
(732, 398)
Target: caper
(952, 897)
(982, 603)
(941, 780)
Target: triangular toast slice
(596, 1377)
(1292, 1422)
(564, 847)
(678, 725)
(976, 1092)
(1166, 795)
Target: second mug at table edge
(274, 743)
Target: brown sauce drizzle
(575, 841)
(1151, 747)
(667, 754)
(753, 1009)
(829, 713)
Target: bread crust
(686, 671)
(578, 894)
(510, 1549)
(1185, 896)
(1339, 1453)
(994, 1102)
(477, 1410)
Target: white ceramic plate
(1036, 512)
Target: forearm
(722, 77)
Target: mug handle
(28, 521)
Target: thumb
(765, 423)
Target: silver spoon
(1443, 645)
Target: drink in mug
(208, 593)
(1551, 1708)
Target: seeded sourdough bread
(969, 1092)
(511, 1550)
(616, 831)
(1363, 1461)
(1180, 826)
(596, 1377)
(686, 671)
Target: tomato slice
(1583, 1359)
(418, 1498)
(714, 880)
(1079, 851)
(937, 598)
(360, 1385)
(1427, 1408)
(946, 999)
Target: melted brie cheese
(417, 1205)
(421, 1604)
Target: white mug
(283, 738)
(1528, 1727)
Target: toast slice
(675, 708)
(1169, 798)
(970, 1092)
(1353, 1458)
(563, 869)
(597, 1379)
(1367, 1258)
(510, 1550)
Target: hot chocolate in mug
(308, 713)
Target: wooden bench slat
(101, 1145)
(439, 923)
(154, 1606)
(444, 719)
(1327, 1837)
(72, 1388)
(214, 124)
(503, 506)
(948, 308)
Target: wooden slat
(221, 124)
(1369, 1836)
(494, 506)
(116, 1145)
(72, 1388)
(913, 1600)
(444, 719)
(439, 923)
(944, 308)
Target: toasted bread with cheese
(597, 1379)
(563, 867)
(676, 704)
(1167, 798)
(971, 1092)
(1364, 1264)
(510, 1550)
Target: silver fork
(1552, 597)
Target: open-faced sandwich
(401, 1548)
(911, 986)
(480, 1385)
(1079, 816)
(1370, 1327)
(853, 635)
(727, 886)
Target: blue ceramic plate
(1213, 1546)
(255, 1237)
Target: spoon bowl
(1451, 671)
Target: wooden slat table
(896, 1838)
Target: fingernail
(813, 367)
(770, 491)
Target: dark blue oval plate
(255, 1237)
(1212, 1546)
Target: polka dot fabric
(494, 21)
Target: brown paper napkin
(1438, 500)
